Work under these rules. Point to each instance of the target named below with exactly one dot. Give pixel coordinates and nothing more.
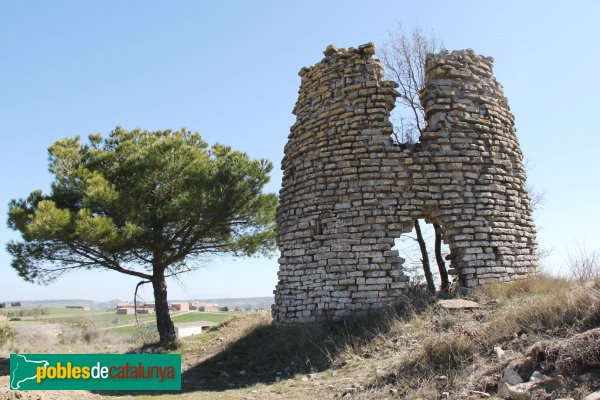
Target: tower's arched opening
(424, 252)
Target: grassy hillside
(543, 331)
(545, 324)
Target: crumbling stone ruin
(348, 191)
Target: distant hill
(97, 305)
(254, 303)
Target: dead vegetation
(583, 264)
(560, 314)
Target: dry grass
(83, 331)
(82, 337)
(447, 351)
(563, 309)
(540, 285)
(459, 346)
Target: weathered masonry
(349, 191)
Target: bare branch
(404, 60)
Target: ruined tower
(348, 191)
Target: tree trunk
(440, 260)
(424, 258)
(166, 329)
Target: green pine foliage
(147, 204)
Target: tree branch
(103, 261)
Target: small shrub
(91, 333)
(7, 334)
(445, 321)
(583, 264)
(144, 334)
(69, 334)
(81, 331)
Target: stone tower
(348, 191)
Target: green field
(73, 316)
(123, 324)
(203, 316)
(216, 317)
(131, 329)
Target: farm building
(199, 306)
(180, 306)
(124, 305)
(125, 310)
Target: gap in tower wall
(408, 248)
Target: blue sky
(229, 71)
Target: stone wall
(348, 191)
